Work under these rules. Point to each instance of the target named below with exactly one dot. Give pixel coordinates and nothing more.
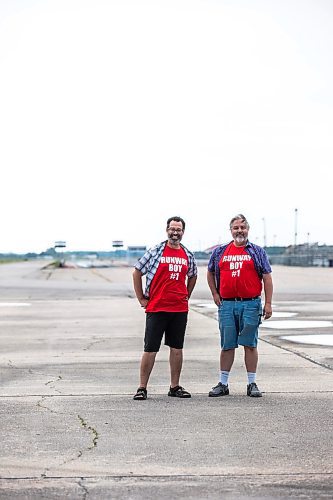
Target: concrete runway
(71, 342)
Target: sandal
(141, 394)
(178, 392)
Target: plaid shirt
(149, 262)
(257, 253)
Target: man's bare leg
(251, 359)
(227, 359)
(251, 362)
(147, 364)
(176, 363)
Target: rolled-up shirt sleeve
(211, 263)
(141, 264)
(192, 269)
(266, 267)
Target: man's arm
(212, 286)
(190, 285)
(268, 290)
(137, 282)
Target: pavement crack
(84, 488)
(40, 405)
(11, 365)
(54, 382)
(300, 354)
(93, 343)
(101, 275)
(93, 431)
(79, 454)
(275, 344)
(44, 407)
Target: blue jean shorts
(239, 323)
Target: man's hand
(143, 302)
(268, 288)
(212, 286)
(137, 282)
(267, 313)
(217, 298)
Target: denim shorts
(239, 323)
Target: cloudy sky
(115, 115)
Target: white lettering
(236, 265)
(176, 268)
(174, 260)
(236, 258)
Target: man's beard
(174, 239)
(240, 238)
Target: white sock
(251, 377)
(224, 377)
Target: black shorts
(173, 324)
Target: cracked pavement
(69, 366)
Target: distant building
(306, 255)
(136, 250)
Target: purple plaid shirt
(257, 253)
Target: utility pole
(295, 241)
(264, 224)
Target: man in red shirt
(171, 273)
(236, 272)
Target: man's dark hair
(176, 219)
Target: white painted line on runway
(283, 314)
(310, 339)
(290, 325)
(14, 304)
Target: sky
(115, 115)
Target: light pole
(295, 241)
(264, 224)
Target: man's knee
(176, 352)
(148, 356)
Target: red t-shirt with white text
(238, 276)
(168, 291)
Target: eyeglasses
(175, 230)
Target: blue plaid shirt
(257, 253)
(149, 262)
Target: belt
(240, 299)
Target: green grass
(11, 260)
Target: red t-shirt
(238, 276)
(168, 291)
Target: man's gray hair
(237, 217)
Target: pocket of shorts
(252, 315)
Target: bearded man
(237, 272)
